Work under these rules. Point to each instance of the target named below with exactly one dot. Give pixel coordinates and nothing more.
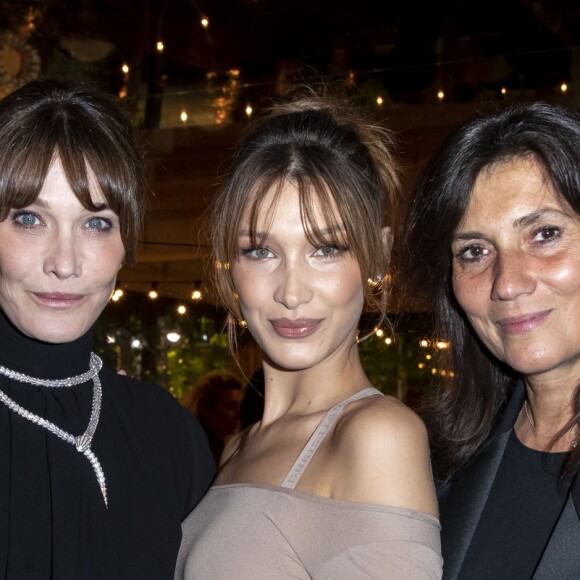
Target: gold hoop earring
(375, 282)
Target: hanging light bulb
(153, 293)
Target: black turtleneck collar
(42, 359)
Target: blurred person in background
(215, 400)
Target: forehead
(510, 187)
(289, 201)
(56, 187)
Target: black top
(53, 520)
(522, 509)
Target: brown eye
(472, 253)
(547, 234)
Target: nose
(62, 257)
(513, 276)
(294, 285)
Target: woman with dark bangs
(493, 238)
(97, 470)
(334, 482)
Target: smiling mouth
(57, 300)
(299, 328)
(523, 323)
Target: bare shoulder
(384, 421)
(382, 455)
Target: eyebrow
(533, 217)
(524, 221)
(264, 235)
(44, 204)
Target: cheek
(467, 292)
(249, 288)
(565, 273)
(109, 261)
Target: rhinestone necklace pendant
(82, 443)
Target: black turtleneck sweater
(53, 520)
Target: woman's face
(516, 270)
(58, 262)
(301, 302)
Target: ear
(387, 239)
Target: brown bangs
(89, 132)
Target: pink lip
(58, 300)
(298, 328)
(523, 323)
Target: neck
(41, 359)
(309, 391)
(548, 408)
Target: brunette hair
(88, 131)
(464, 409)
(329, 154)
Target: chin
(55, 334)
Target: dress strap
(317, 437)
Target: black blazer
(462, 500)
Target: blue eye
(97, 223)
(25, 219)
(257, 253)
(330, 251)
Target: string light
(183, 116)
(380, 100)
(379, 332)
(503, 90)
(181, 309)
(423, 343)
(564, 87)
(153, 294)
(249, 110)
(196, 295)
(125, 68)
(160, 46)
(205, 22)
(173, 336)
(440, 95)
(388, 340)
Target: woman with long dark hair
(492, 239)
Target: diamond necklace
(82, 443)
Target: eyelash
(337, 251)
(251, 250)
(556, 231)
(108, 224)
(16, 216)
(461, 255)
